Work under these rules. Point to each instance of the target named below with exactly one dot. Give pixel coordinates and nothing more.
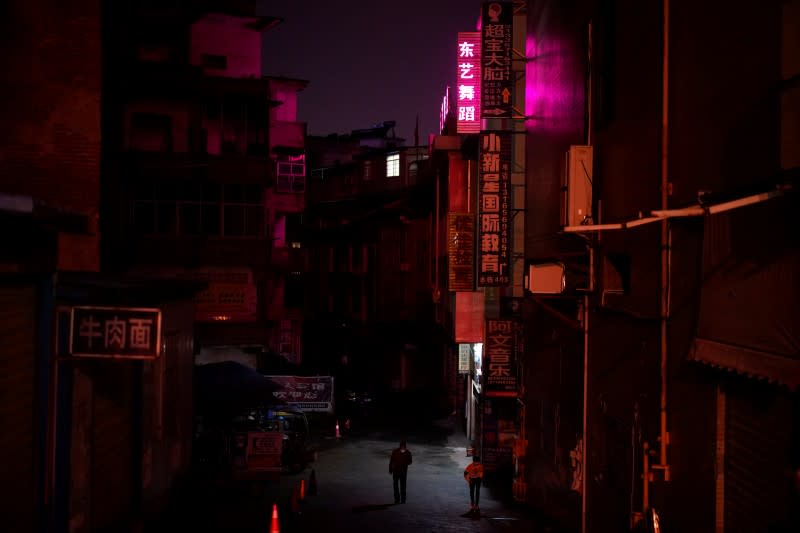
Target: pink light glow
(554, 95)
(468, 88)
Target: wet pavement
(354, 491)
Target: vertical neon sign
(468, 88)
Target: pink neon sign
(468, 87)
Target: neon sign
(468, 89)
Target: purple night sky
(368, 60)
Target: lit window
(392, 165)
(292, 175)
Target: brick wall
(50, 111)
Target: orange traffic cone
(338, 435)
(275, 527)
(312, 483)
(302, 490)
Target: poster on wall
(494, 209)
(499, 362)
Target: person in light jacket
(473, 474)
(398, 467)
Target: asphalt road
(354, 491)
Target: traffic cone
(275, 527)
(302, 490)
(338, 435)
(312, 483)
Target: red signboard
(264, 450)
(469, 319)
(499, 361)
(468, 83)
(494, 210)
(496, 80)
(460, 251)
(117, 332)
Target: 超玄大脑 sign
(116, 332)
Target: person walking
(398, 467)
(473, 474)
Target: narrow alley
(354, 491)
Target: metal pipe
(665, 242)
(585, 422)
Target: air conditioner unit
(576, 205)
(546, 278)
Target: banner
(308, 393)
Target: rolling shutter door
(17, 385)
(758, 431)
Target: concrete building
(657, 367)
(75, 423)
(210, 178)
(367, 239)
(666, 379)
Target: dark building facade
(75, 426)
(209, 171)
(691, 330)
(367, 238)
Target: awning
(750, 300)
(773, 368)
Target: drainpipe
(584, 429)
(666, 242)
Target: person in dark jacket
(398, 467)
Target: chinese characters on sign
(496, 80)
(127, 333)
(499, 364)
(468, 89)
(312, 393)
(494, 210)
(460, 249)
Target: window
(291, 175)
(151, 132)
(367, 170)
(214, 61)
(190, 208)
(392, 165)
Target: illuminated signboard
(494, 210)
(468, 88)
(499, 361)
(116, 332)
(460, 251)
(496, 80)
